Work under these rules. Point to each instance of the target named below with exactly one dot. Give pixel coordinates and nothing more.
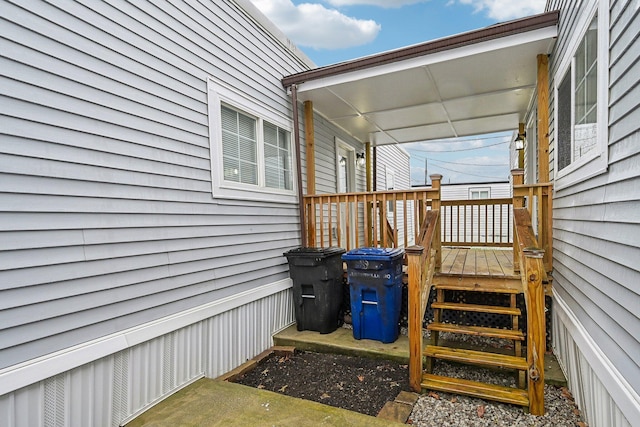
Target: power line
(469, 164)
(471, 174)
(463, 139)
(460, 149)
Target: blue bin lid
(373, 254)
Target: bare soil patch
(354, 383)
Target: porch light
(520, 141)
(361, 161)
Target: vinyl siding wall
(113, 389)
(396, 160)
(596, 234)
(107, 219)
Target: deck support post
(414, 257)
(304, 232)
(435, 205)
(536, 339)
(309, 135)
(518, 202)
(543, 118)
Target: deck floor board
(477, 262)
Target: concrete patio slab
(209, 403)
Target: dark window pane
(564, 122)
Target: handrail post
(518, 202)
(547, 225)
(536, 339)
(435, 205)
(311, 222)
(414, 257)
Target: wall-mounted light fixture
(519, 141)
(361, 161)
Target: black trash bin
(317, 287)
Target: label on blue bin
(369, 275)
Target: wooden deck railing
(532, 271)
(477, 222)
(537, 199)
(377, 219)
(421, 260)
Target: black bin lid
(307, 252)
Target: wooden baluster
(406, 223)
(321, 203)
(435, 205)
(367, 221)
(374, 219)
(395, 220)
(486, 225)
(330, 220)
(348, 221)
(311, 231)
(518, 202)
(547, 224)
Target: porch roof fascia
(497, 31)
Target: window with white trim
(477, 193)
(581, 101)
(250, 148)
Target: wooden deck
(487, 262)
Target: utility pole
(426, 174)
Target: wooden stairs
(525, 276)
(445, 285)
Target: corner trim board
(15, 377)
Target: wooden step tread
(478, 284)
(494, 309)
(477, 330)
(511, 395)
(477, 357)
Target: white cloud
(503, 10)
(380, 3)
(313, 25)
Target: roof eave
(493, 32)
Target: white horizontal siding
(601, 392)
(107, 219)
(396, 159)
(497, 190)
(112, 388)
(596, 233)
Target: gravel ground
(444, 409)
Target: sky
(332, 31)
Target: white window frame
(479, 190)
(218, 93)
(351, 164)
(596, 161)
(390, 185)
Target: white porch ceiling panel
(479, 87)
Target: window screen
(239, 147)
(277, 157)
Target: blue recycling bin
(375, 287)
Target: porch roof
(472, 83)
